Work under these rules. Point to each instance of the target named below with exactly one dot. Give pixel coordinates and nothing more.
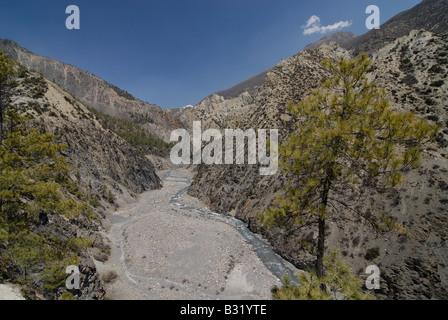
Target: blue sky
(176, 52)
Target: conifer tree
(347, 140)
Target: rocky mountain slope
(411, 65)
(413, 69)
(106, 170)
(429, 15)
(250, 85)
(95, 92)
(101, 159)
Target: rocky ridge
(95, 92)
(429, 15)
(101, 159)
(342, 38)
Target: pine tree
(347, 140)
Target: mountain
(102, 159)
(430, 15)
(414, 69)
(95, 92)
(250, 85)
(342, 38)
(412, 65)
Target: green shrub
(131, 131)
(111, 198)
(430, 102)
(67, 296)
(339, 282)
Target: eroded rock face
(414, 72)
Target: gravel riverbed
(162, 252)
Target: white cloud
(313, 26)
(313, 20)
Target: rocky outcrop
(429, 15)
(414, 71)
(91, 287)
(10, 292)
(90, 284)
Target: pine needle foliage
(339, 283)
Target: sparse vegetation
(121, 93)
(67, 296)
(110, 197)
(430, 101)
(437, 83)
(130, 130)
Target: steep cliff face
(95, 92)
(413, 70)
